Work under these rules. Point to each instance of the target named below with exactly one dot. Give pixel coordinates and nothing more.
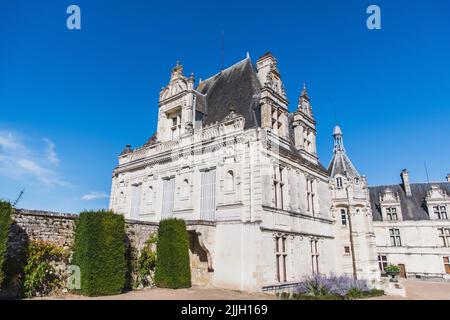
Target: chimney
(405, 180)
(448, 177)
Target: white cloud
(94, 196)
(19, 161)
(51, 152)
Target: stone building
(262, 211)
(229, 158)
(406, 224)
(412, 227)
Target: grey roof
(341, 165)
(236, 87)
(414, 207)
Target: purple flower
(319, 284)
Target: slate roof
(341, 165)
(414, 207)
(236, 87)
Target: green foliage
(146, 264)
(41, 275)
(392, 268)
(172, 263)
(99, 251)
(5, 224)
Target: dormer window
(391, 214)
(440, 212)
(339, 182)
(175, 122)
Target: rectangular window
(281, 258)
(394, 235)
(382, 263)
(447, 265)
(310, 196)
(444, 234)
(208, 196)
(347, 250)
(440, 212)
(136, 201)
(314, 256)
(176, 126)
(278, 184)
(344, 217)
(168, 198)
(391, 214)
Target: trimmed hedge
(5, 224)
(99, 251)
(172, 252)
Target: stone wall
(58, 228)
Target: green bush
(42, 277)
(5, 224)
(392, 268)
(99, 252)
(172, 262)
(146, 264)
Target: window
(440, 212)
(168, 198)
(310, 195)
(278, 187)
(347, 250)
(356, 180)
(208, 195)
(176, 126)
(281, 257)
(382, 263)
(447, 265)
(339, 182)
(344, 217)
(315, 256)
(395, 237)
(135, 209)
(277, 122)
(444, 234)
(391, 214)
(229, 181)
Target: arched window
(229, 181)
(344, 217)
(339, 182)
(356, 180)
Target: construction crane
(18, 198)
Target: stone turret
(353, 214)
(305, 127)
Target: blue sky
(71, 100)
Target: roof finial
(304, 90)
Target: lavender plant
(333, 285)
